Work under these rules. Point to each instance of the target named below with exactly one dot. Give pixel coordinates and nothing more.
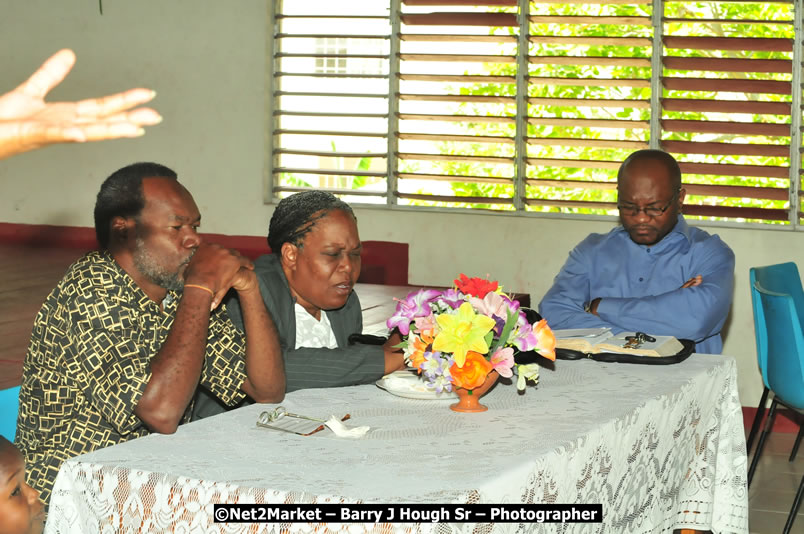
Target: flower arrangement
(455, 338)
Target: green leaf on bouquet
(510, 322)
(489, 338)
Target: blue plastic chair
(780, 278)
(784, 357)
(9, 406)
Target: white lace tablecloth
(660, 447)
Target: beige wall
(206, 60)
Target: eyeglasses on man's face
(630, 210)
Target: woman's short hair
(297, 214)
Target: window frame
(793, 222)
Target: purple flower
(452, 298)
(431, 366)
(499, 325)
(525, 338)
(441, 383)
(416, 304)
(436, 371)
(513, 305)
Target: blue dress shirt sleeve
(695, 313)
(640, 287)
(563, 304)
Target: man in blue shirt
(654, 273)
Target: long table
(660, 447)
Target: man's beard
(147, 264)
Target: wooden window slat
(592, 41)
(729, 43)
(455, 118)
(736, 191)
(334, 191)
(456, 78)
(511, 3)
(725, 169)
(781, 66)
(582, 19)
(458, 98)
(590, 82)
(454, 178)
(280, 55)
(732, 86)
(594, 2)
(571, 184)
(596, 143)
(723, 22)
(454, 199)
(281, 131)
(574, 163)
(330, 114)
(591, 123)
(331, 154)
(462, 58)
(460, 19)
(734, 212)
(326, 172)
(589, 102)
(590, 60)
(724, 127)
(457, 138)
(332, 35)
(583, 204)
(725, 149)
(455, 157)
(436, 38)
(726, 106)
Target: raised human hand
(28, 122)
(245, 280)
(218, 269)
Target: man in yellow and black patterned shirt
(121, 344)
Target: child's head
(21, 511)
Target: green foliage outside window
(707, 10)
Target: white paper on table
(593, 335)
(305, 426)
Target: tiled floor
(774, 486)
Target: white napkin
(343, 431)
(405, 381)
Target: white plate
(409, 385)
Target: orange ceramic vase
(470, 398)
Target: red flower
(477, 287)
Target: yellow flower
(462, 332)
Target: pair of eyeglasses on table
(281, 419)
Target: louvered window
(528, 107)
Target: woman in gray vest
(307, 284)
